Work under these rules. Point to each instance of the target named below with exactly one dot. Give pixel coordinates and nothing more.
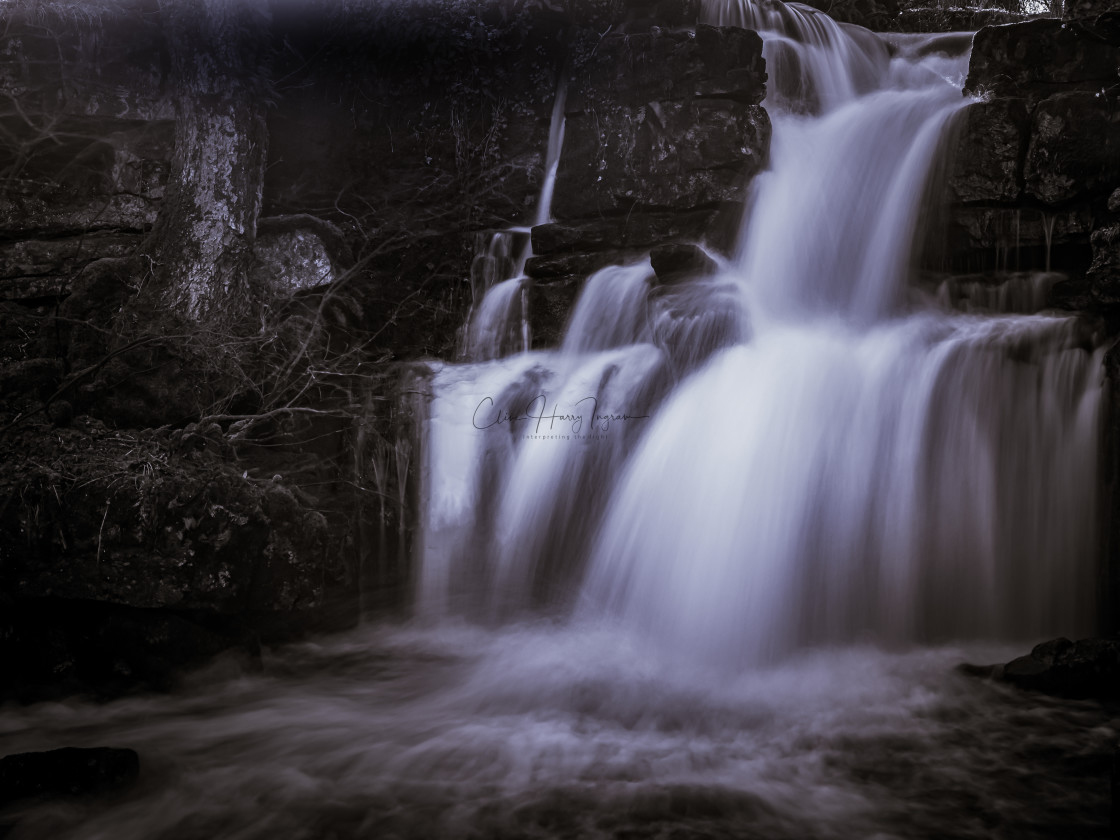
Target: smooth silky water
(705, 570)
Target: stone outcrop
(1039, 155)
(1088, 668)
(152, 514)
(664, 131)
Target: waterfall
(804, 449)
(500, 323)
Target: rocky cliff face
(1038, 163)
(164, 501)
(664, 130)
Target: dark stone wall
(664, 131)
(134, 538)
(1039, 157)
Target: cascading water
(706, 477)
(500, 323)
(855, 464)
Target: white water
(538, 732)
(829, 455)
(739, 591)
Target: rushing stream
(547, 732)
(705, 570)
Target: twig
(101, 531)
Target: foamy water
(545, 731)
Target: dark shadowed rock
(52, 648)
(576, 265)
(1040, 57)
(642, 14)
(1104, 272)
(941, 19)
(680, 261)
(988, 162)
(155, 521)
(69, 771)
(1089, 668)
(635, 230)
(663, 120)
(1074, 147)
(550, 305)
(1017, 230)
(1038, 158)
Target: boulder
(1089, 668)
(1086, 668)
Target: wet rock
(676, 262)
(1089, 668)
(635, 230)
(1074, 147)
(1104, 272)
(940, 19)
(1040, 57)
(878, 15)
(988, 161)
(69, 771)
(1043, 145)
(550, 305)
(663, 120)
(1015, 238)
(561, 266)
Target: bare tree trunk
(202, 242)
